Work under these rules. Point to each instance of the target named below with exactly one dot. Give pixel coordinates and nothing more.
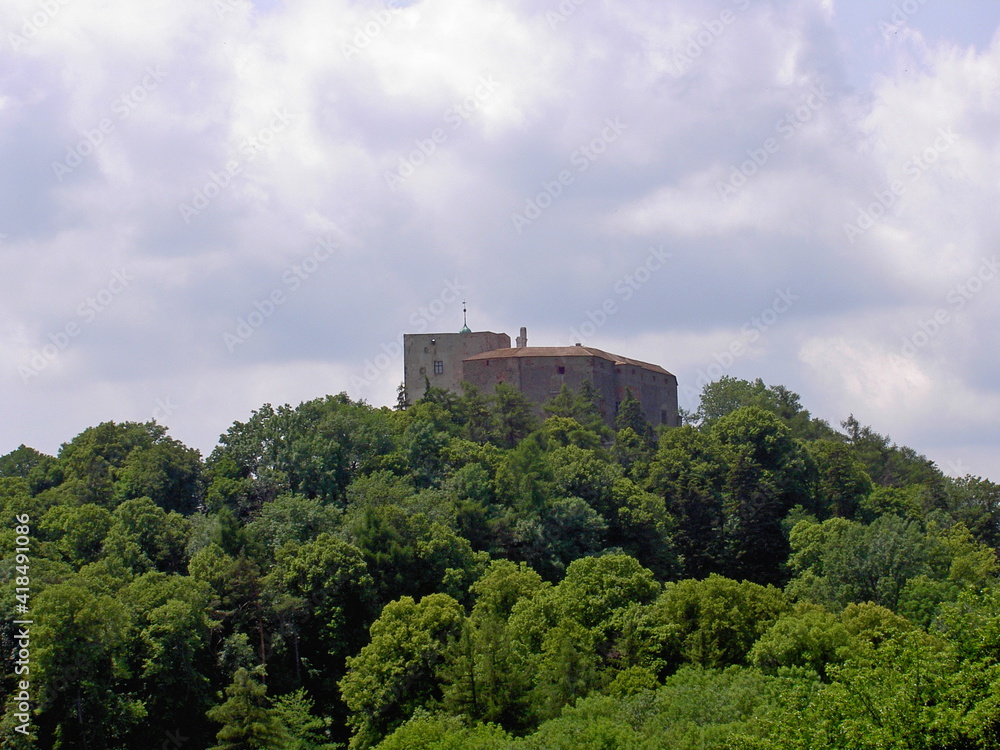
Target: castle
(484, 358)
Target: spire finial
(465, 319)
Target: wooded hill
(454, 575)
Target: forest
(460, 574)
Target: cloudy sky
(209, 205)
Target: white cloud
(702, 89)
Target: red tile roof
(566, 351)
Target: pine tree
(564, 404)
(514, 415)
(589, 408)
(246, 717)
(402, 400)
(630, 415)
(307, 731)
(474, 411)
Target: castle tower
(436, 359)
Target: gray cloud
(232, 141)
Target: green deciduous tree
(714, 622)
(563, 431)
(89, 464)
(436, 732)
(408, 552)
(641, 525)
(727, 394)
(768, 474)
(316, 447)
(902, 694)
(888, 464)
(79, 645)
(975, 502)
(689, 472)
(596, 590)
(323, 588)
(395, 673)
(77, 531)
(169, 656)
(585, 474)
(143, 537)
(840, 561)
(566, 668)
(807, 636)
(595, 598)
(483, 676)
(22, 461)
(167, 472)
(524, 478)
(290, 518)
(842, 482)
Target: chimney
(522, 340)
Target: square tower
(436, 358)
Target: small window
(561, 370)
(663, 416)
(438, 367)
